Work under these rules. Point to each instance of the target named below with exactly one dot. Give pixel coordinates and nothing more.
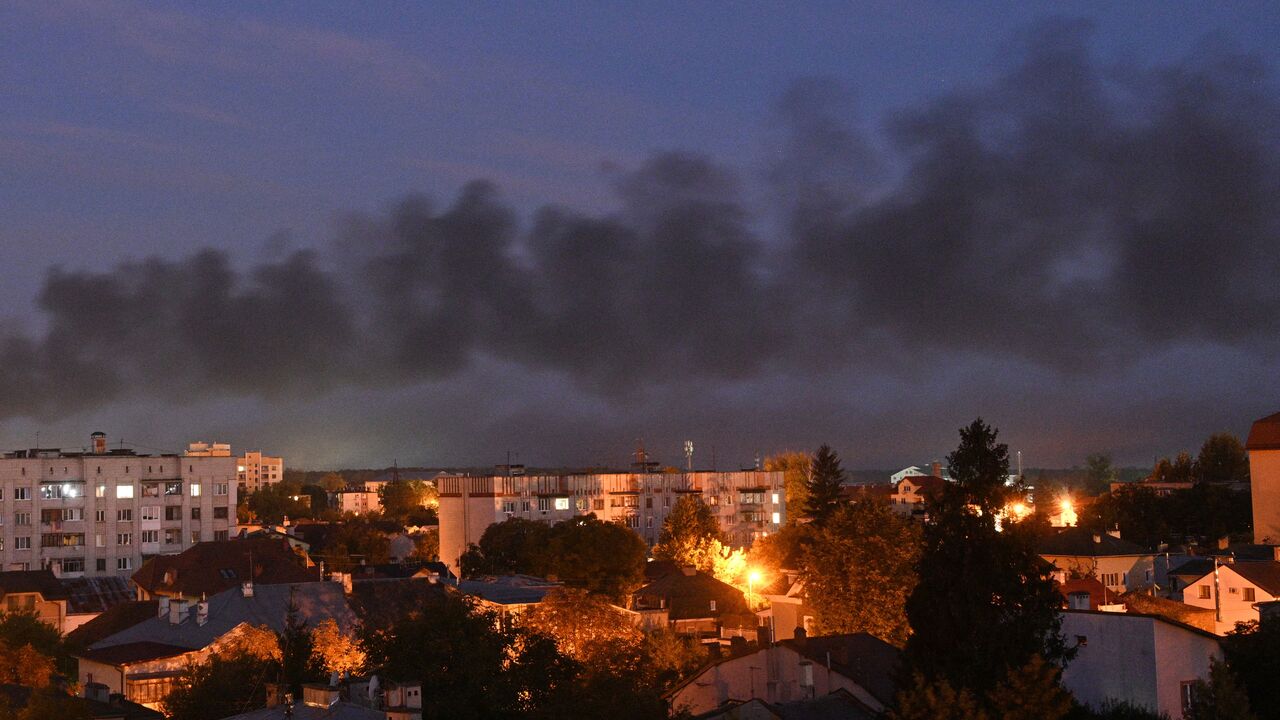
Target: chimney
(936, 469)
(97, 691)
(99, 440)
(1115, 533)
(246, 588)
(176, 614)
(1223, 542)
(163, 608)
(801, 636)
(1097, 539)
(202, 612)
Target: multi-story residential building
(748, 504)
(255, 471)
(102, 512)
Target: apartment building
(748, 504)
(255, 471)
(102, 512)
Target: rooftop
(1082, 542)
(211, 567)
(688, 595)
(32, 581)
(865, 659)
(1265, 434)
(269, 605)
(509, 589)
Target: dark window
(220, 513)
(195, 513)
(173, 512)
(100, 564)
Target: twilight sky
(437, 233)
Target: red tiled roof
(209, 568)
(926, 483)
(1265, 434)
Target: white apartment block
(103, 512)
(748, 504)
(255, 471)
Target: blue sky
(136, 129)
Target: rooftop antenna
(1019, 463)
(641, 456)
(688, 454)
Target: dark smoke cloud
(1070, 215)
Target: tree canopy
(860, 569)
(1222, 459)
(689, 534)
(985, 602)
(796, 468)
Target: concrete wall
(1133, 658)
(1264, 477)
(1133, 570)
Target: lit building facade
(102, 512)
(255, 471)
(748, 504)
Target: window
(1188, 696)
(195, 490)
(21, 494)
(544, 504)
(172, 536)
(648, 502)
(195, 513)
(99, 540)
(219, 488)
(124, 563)
(648, 522)
(124, 538)
(51, 492)
(581, 504)
(100, 490)
(1, 494)
(22, 518)
(775, 498)
(124, 492)
(713, 606)
(151, 512)
(1205, 592)
(100, 565)
(124, 515)
(99, 515)
(525, 506)
(195, 536)
(22, 543)
(173, 487)
(173, 512)
(508, 506)
(562, 503)
(777, 518)
(1111, 579)
(219, 535)
(598, 504)
(70, 565)
(220, 513)
(150, 489)
(1248, 594)
(633, 521)
(150, 536)
(751, 498)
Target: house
(911, 492)
(1146, 660)
(1263, 445)
(799, 669)
(208, 568)
(694, 603)
(359, 501)
(1233, 590)
(839, 705)
(788, 609)
(142, 661)
(1083, 593)
(906, 472)
(507, 595)
(1118, 564)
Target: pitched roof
(343, 710)
(115, 619)
(19, 696)
(687, 596)
(96, 594)
(1264, 434)
(133, 652)
(926, 483)
(29, 581)
(509, 589)
(867, 660)
(269, 605)
(1081, 542)
(209, 568)
(1265, 575)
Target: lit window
(124, 492)
(562, 503)
(777, 518)
(100, 490)
(195, 489)
(124, 563)
(775, 501)
(124, 538)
